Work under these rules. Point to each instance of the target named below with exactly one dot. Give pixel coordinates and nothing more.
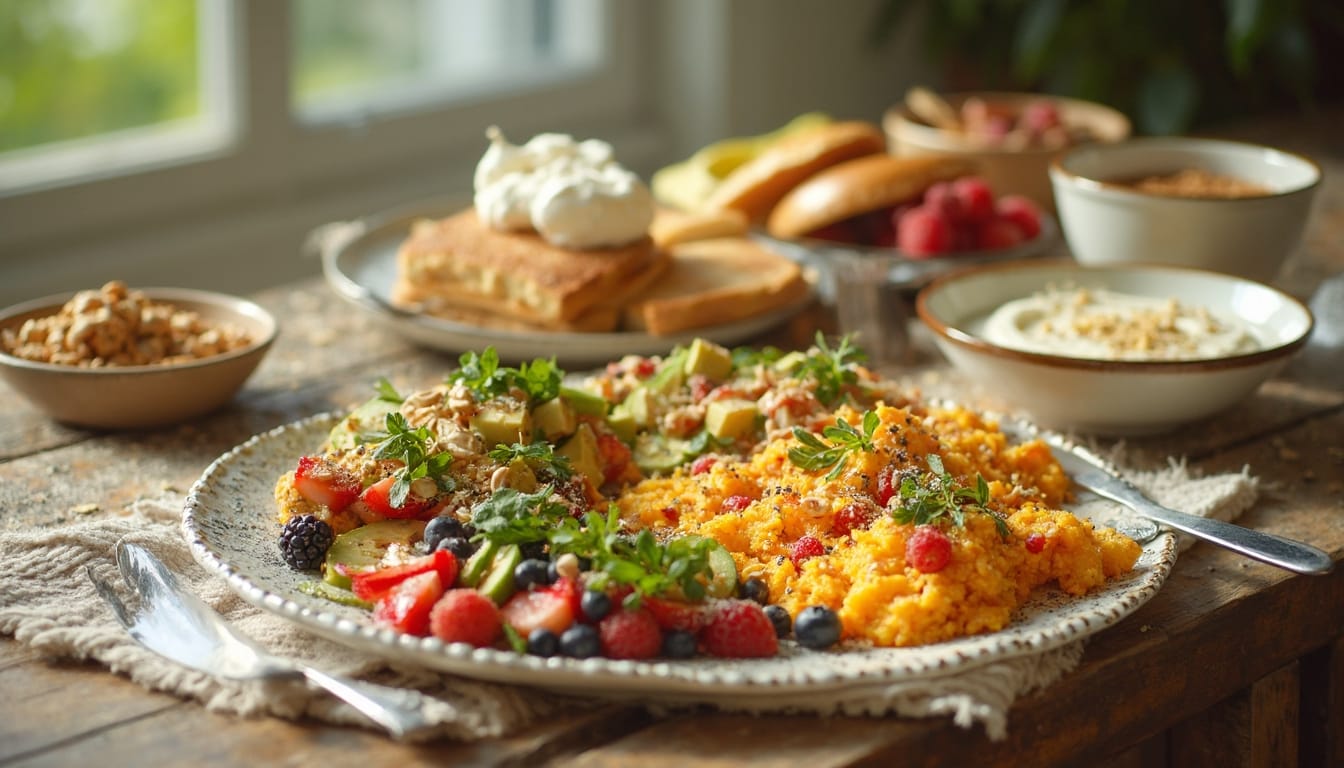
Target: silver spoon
(175, 624)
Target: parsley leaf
(539, 380)
(640, 561)
(535, 454)
(411, 447)
(832, 369)
(387, 392)
(510, 516)
(813, 454)
(938, 497)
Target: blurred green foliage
(344, 45)
(76, 68)
(1170, 64)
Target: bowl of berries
(876, 229)
(1012, 137)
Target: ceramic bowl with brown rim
(1113, 350)
(188, 356)
(1191, 202)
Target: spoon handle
(401, 711)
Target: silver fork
(175, 624)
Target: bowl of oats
(1227, 206)
(121, 358)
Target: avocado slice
(555, 418)
(790, 362)
(364, 547)
(584, 402)
(731, 418)
(503, 421)
(369, 418)
(709, 359)
(498, 583)
(478, 564)
(583, 454)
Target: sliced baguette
(714, 282)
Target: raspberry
(304, 541)
(996, 233)
(739, 629)
(928, 549)
(888, 485)
(629, 634)
(923, 232)
(736, 503)
(1035, 543)
(1022, 212)
(465, 616)
(940, 199)
(805, 547)
(975, 196)
(1039, 116)
(849, 517)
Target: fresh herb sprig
(539, 380)
(387, 392)
(938, 497)
(813, 454)
(640, 561)
(535, 454)
(510, 516)
(411, 447)
(832, 369)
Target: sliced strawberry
(547, 608)
(325, 482)
(378, 497)
(675, 614)
(371, 585)
(406, 606)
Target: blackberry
(780, 618)
(678, 644)
(444, 527)
(304, 541)
(817, 627)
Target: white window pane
(353, 57)
(89, 87)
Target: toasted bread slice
(714, 282)
(467, 264)
(672, 227)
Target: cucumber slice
(364, 547)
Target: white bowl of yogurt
(1134, 349)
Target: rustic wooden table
(1232, 663)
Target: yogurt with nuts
(1098, 324)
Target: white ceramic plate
(229, 523)
(359, 263)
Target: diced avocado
(671, 373)
(709, 359)
(478, 564)
(555, 418)
(503, 420)
(368, 418)
(790, 362)
(658, 454)
(585, 402)
(641, 404)
(583, 454)
(622, 422)
(731, 418)
(365, 546)
(497, 583)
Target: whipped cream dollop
(1109, 325)
(573, 193)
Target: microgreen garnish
(650, 567)
(510, 516)
(387, 392)
(482, 374)
(832, 369)
(938, 497)
(813, 454)
(535, 454)
(411, 447)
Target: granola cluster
(115, 326)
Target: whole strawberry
(628, 634)
(739, 629)
(465, 616)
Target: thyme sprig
(832, 369)
(813, 454)
(937, 497)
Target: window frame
(278, 155)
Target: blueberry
(460, 547)
(543, 642)
(595, 604)
(530, 573)
(580, 641)
(678, 644)
(755, 589)
(817, 627)
(443, 527)
(780, 618)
